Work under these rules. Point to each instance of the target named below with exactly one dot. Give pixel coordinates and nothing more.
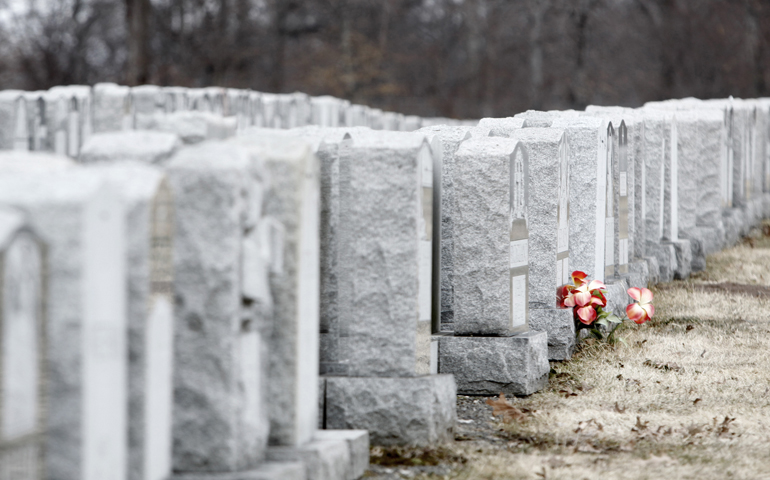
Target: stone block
(451, 138)
(358, 446)
(266, 471)
(683, 251)
(194, 126)
(653, 269)
(220, 411)
(33, 162)
(322, 459)
(657, 141)
(515, 365)
(588, 151)
(292, 202)
(490, 298)
(149, 227)
(501, 127)
(559, 324)
(14, 134)
(386, 235)
(136, 145)
(81, 219)
(639, 274)
(536, 118)
(112, 108)
(396, 411)
(666, 257)
(617, 297)
(23, 353)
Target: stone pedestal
(330, 455)
(135, 145)
(515, 365)
(395, 410)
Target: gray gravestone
(81, 218)
(452, 138)
(139, 145)
(22, 349)
(148, 101)
(293, 201)
(548, 213)
(13, 120)
(112, 108)
(220, 358)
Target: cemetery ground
(686, 395)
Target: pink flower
(642, 309)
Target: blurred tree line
(456, 58)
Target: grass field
(686, 397)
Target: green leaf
(597, 333)
(614, 318)
(601, 321)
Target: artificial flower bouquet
(588, 301)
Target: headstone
(175, 99)
(589, 153)
(220, 326)
(451, 138)
(501, 127)
(150, 313)
(13, 121)
(194, 126)
(491, 238)
(140, 145)
(23, 345)
(38, 129)
(148, 101)
(81, 219)
(548, 220)
(112, 108)
(325, 111)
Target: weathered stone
(292, 201)
(490, 188)
(22, 352)
(683, 250)
(385, 273)
(395, 411)
(536, 118)
(194, 126)
(326, 111)
(136, 145)
(358, 446)
(13, 121)
(588, 152)
(501, 127)
(112, 108)
(175, 99)
(33, 162)
(266, 471)
(516, 365)
(220, 420)
(147, 102)
(150, 313)
(81, 219)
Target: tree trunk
(137, 22)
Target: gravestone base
(515, 365)
(766, 205)
(417, 411)
(665, 253)
(266, 471)
(711, 239)
(638, 273)
(683, 251)
(733, 219)
(698, 253)
(653, 270)
(559, 324)
(754, 212)
(617, 296)
(331, 455)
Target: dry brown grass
(686, 396)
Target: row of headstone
(62, 119)
(328, 280)
(161, 320)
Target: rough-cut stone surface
(266, 471)
(137, 145)
(666, 257)
(653, 270)
(395, 411)
(536, 118)
(482, 225)
(587, 140)
(147, 101)
(559, 324)
(323, 459)
(111, 108)
(81, 219)
(358, 446)
(219, 415)
(683, 249)
(451, 137)
(194, 127)
(657, 149)
(516, 365)
(638, 274)
(617, 298)
(501, 127)
(381, 226)
(292, 200)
